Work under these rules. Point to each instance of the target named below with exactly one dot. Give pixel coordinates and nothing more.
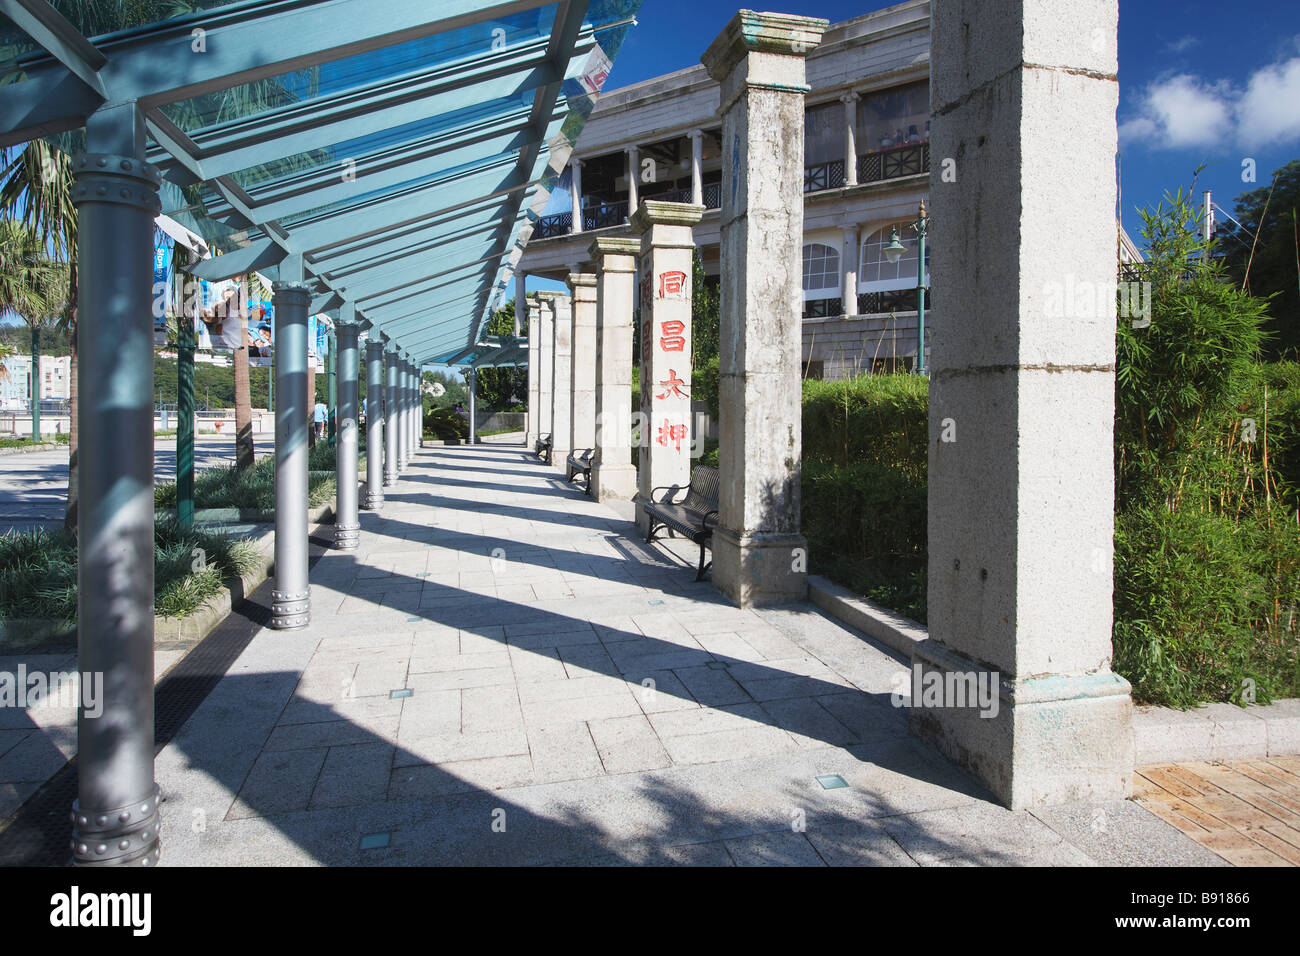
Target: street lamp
(893, 252)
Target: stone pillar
(391, 455)
(347, 525)
(697, 166)
(613, 476)
(633, 179)
(666, 275)
(374, 423)
(557, 303)
(115, 814)
(759, 556)
(850, 101)
(1022, 403)
(291, 598)
(575, 193)
(582, 424)
(534, 373)
(539, 317)
(850, 251)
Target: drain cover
(832, 782)
(374, 841)
(403, 692)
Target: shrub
(445, 424)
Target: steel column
(374, 424)
(347, 525)
(390, 417)
(332, 379)
(115, 816)
(185, 423)
(291, 598)
(473, 411)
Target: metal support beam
(115, 816)
(185, 422)
(374, 423)
(347, 524)
(390, 416)
(291, 598)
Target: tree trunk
(244, 451)
(74, 417)
(36, 383)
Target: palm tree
(36, 188)
(35, 287)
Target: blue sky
(1201, 82)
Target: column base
(372, 500)
(558, 455)
(347, 536)
(613, 482)
(757, 570)
(530, 440)
(1036, 742)
(117, 836)
(390, 479)
(289, 611)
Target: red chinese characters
(672, 386)
(672, 336)
(672, 285)
(671, 433)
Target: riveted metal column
(403, 436)
(347, 525)
(115, 816)
(332, 378)
(390, 417)
(473, 406)
(374, 423)
(291, 598)
(411, 397)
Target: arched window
(821, 271)
(878, 274)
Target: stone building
(867, 165)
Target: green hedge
(864, 486)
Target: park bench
(694, 516)
(579, 462)
(544, 448)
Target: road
(34, 487)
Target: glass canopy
(401, 148)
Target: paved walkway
(503, 674)
(34, 485)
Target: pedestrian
(320, 414)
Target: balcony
(890, 163)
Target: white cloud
(1182, 44)
(1185, 110)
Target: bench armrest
(711, 520)
(670, 491)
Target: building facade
(867, 170)
(16, 387)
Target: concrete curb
(1160, 734)
(43, 446)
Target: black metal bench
(543, 448)
(579, 462)
(694, 517)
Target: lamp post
(893, 252)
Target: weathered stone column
(582, 427)
(666, 275)
(633, 179)
(534, 371)
(539, 317)
(613, 476)
(575, 193)
(1022, 403)
(696, 137)
(759, 556)
(347, 526)
(850, 252)
(557, 304)
(374, 423)
(850, 101)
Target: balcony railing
(823, 176)
(604, 215)
(713, 196)
(560, 224)
(907, 160)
